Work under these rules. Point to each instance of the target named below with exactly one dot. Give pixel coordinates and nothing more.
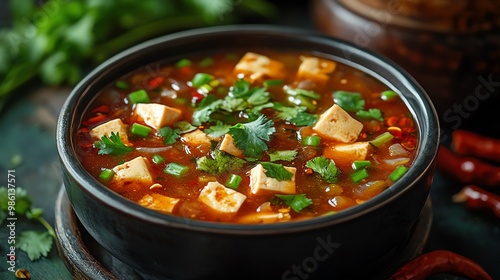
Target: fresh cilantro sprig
(169, 135)
(35, 243)
(285, 155)
(251, 137)
(296, 115)
(218, 130)
(370, 114)
(112, 145)
(324, 167)
(277, 171)
(220, 163)
(349, 101)
(296, 201)
(207, 106)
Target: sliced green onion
(176, 169)
(388, 95)
(234, 181)
(140, 96)
(183, 63)
(106, 174)
(140, 130)
(359, 164)
(359, 175)
(206, 88)
(207, 61)
(398, 173)
(200, 79)
(313, 140)
(270, 83)
(158, 159)
(122, 84)
(382, 139)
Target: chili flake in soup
(256, 137)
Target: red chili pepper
(440, 261)
(472, 144)
(155, 82)
(477, 198)
(467, 170)
(196, 96)
(101, 109)
(96, 119)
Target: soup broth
(248, 137)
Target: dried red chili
(472, 144)
(477, 198)
(440, 261)
(467, 170)
(155, 82)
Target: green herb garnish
(112, 145)
(250, 137)
(370, 114)
(349, 101)
(220, 163)
(285, 155)
(277, 171)
(296, 201)
(324, 167)
(169, 135)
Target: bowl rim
(412, 92)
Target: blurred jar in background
(451, 47)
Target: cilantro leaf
(285, 155)
(220, 163)
(23, 200)
(250, 137)
(277, 171)
(207, 106)
(35, 243)
(217, 130)
(112, 145)
(259, 96)
(304, 119)
(295, 115)
(3, 216)
(371, 113)
(302, 92)
(324, 167)
(349, 101)
(231, 104)
(169, 135)
(296, 201)
(185, 127)
(240, 89)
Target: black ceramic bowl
(352, 243)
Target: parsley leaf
(349, 101)
(324, 167)
(250, 137)
(277, 171)
(371, 113)
(169, 135)
(296, 201)
(112, 145)
(35, 243)
(220, 163)
(218, 130)
(285, 155)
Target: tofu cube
(196, 138)
(157, 115)
(348, 152)
(336, 124)
(132, 172)
(105, 129)
(221, 199)
(259, 181)
(258, 66)
(227, 145)
(315, 69)
(159, 202)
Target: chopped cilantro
(250, 137)
(304, 119)
(285, 155)
(169, 135)
(220, 163)
(259, 96)
(112, 145)
(240, 89)
(277, 171)
(185, 127)
(370, 113)
(296, 201)
(217, 130)
(349, 101)
(295, 115)
(207, 106)
(302, 92)
(231, 104)
(324, 167)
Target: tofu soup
(248, 137)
